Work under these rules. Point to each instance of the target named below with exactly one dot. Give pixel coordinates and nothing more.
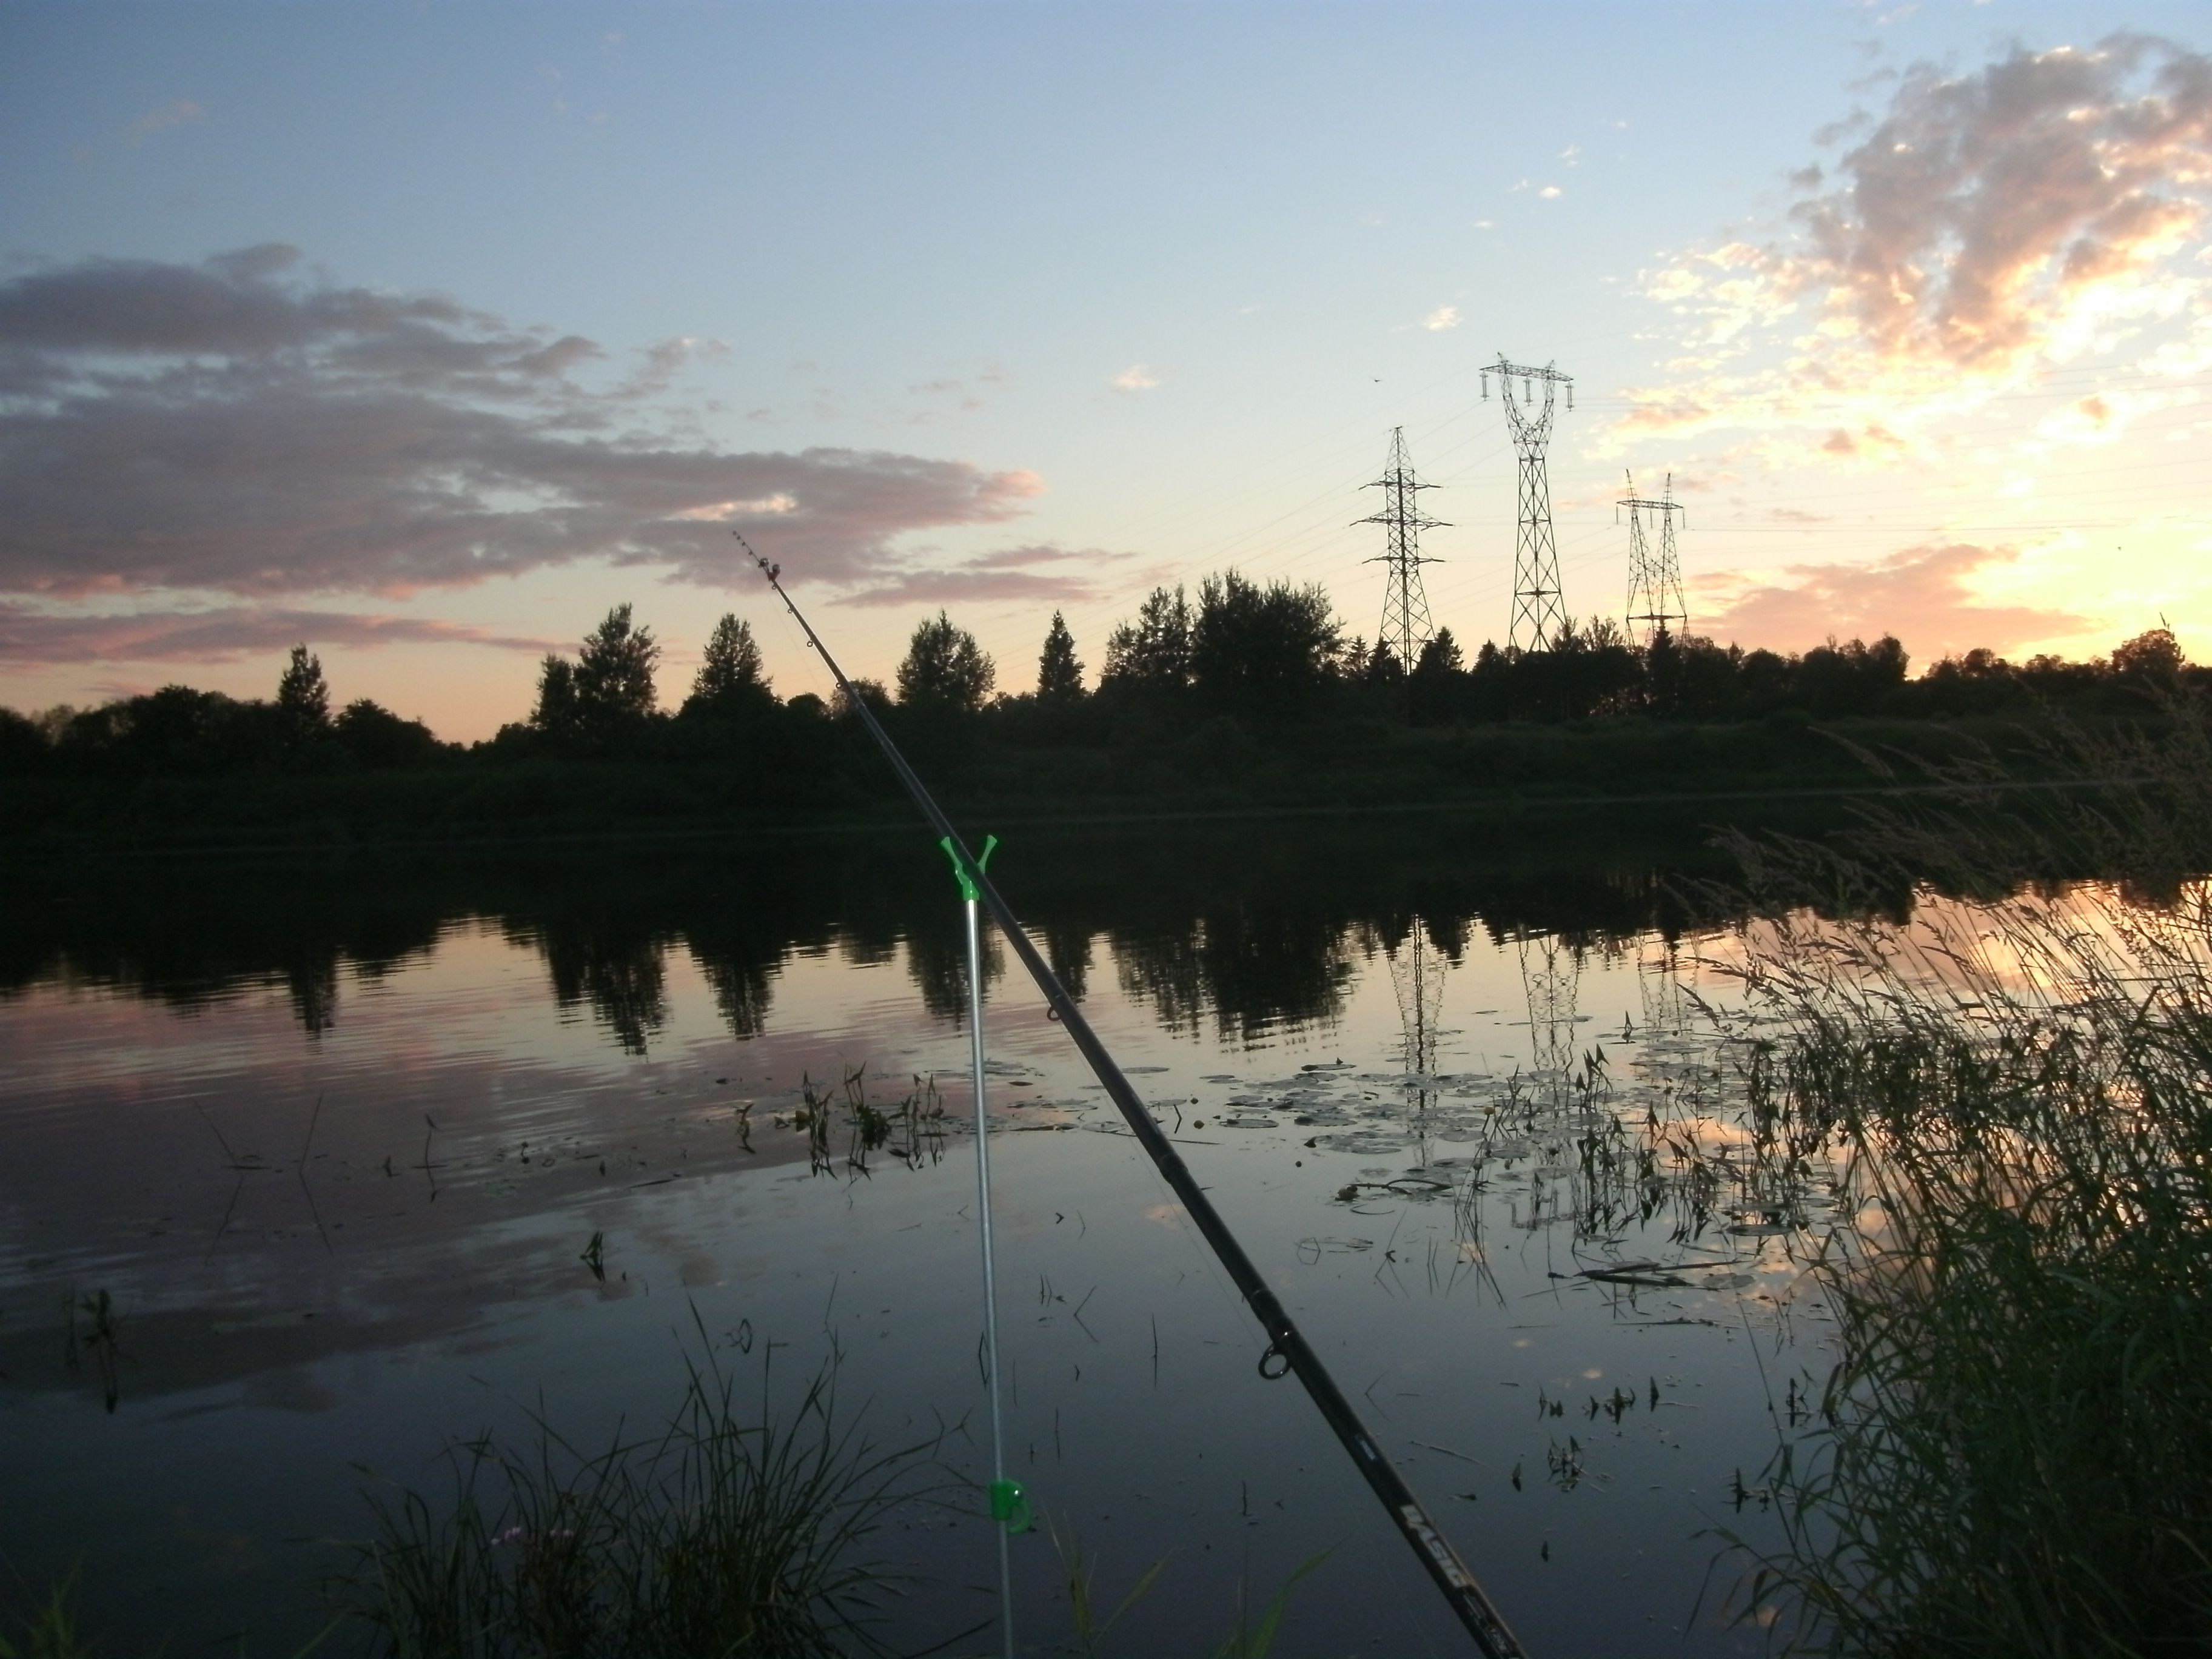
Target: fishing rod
(1287, 1351)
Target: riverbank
(1221, 771)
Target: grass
(1252, 1638)
(724, 1535)
(2014, 1454)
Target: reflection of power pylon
(1417, 975)
(1552, 974)
(1659, 977)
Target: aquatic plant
(49, 1629)
(726, 1535)
(2011, 1456)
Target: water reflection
(343, 1192)
(1219, 935)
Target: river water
(331, 1143)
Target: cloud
(1920, 594)
(1550, 192)
(237, 426)
(1442, 317)
(1006, 576)
(1138, 377)
(30, 637)
(1982, 226)
(174, 114)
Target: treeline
(1241, 658)
(180, 730)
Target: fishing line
(1287, 1350)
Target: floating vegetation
(97, 1339)
(912, 1131)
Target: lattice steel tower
(1405, 628)
(1655, 584)
(1538, 616)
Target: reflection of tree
(622, 975)
(312, 977)
(937, 958)
(1068, 950)
(868, 944)
(1254, 970)
(739, 966)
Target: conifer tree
(730, 673)
(1059, 672)
(614, 671)
(301, 691)
(945, 669)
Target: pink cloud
(1982, 224)
(1919, 594)
(237, 426)
(30, 637)
(1039, 575)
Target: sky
(426, 334)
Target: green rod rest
(960, 872)
(1009, 1505)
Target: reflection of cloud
(1138, 377)
(1009, 574)
(219, 635)
(1441, 318)
(240, 427)
(1919, 594)
(174, 114)
(1984, 224)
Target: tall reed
(2014, 1455)
(726, 1535)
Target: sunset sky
(423, 334)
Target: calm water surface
(332, 1146)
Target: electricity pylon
(1405, 628)
(1654, 585)
(1539, 618)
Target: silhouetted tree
(1264, 649)
(871, 692)
(1439, 680)
(23, 743)
(302, 693)
(374, 736)
(944, 671)
(2153, 658)
(1441, 655)
(1059, 673)
(614, 671)
(558, 710)
(1154, 650)
(730, 677)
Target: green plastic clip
(1009, 1505)
(960, 872)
